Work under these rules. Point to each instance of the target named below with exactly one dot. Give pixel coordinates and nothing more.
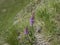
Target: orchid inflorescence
(32, 19)
(31, 23)
(28, 33)
(26, 30)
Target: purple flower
(32, 20)
(26, 30)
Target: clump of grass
(48, 18)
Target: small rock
(38, 29)
(4, 10)
(5, 44)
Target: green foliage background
(48, 12)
